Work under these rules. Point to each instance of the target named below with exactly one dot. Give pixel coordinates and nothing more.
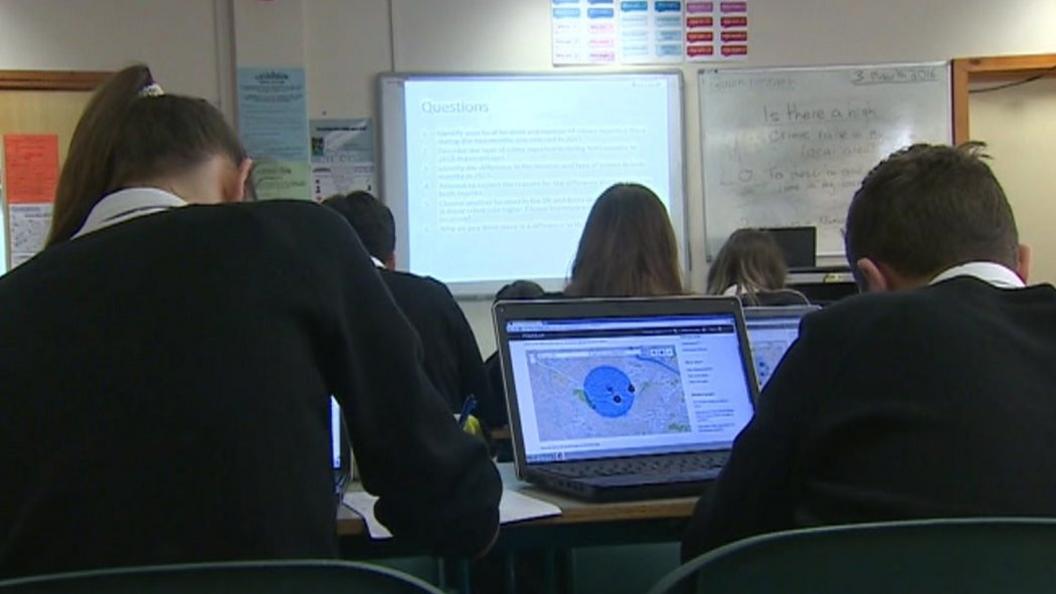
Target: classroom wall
(344, 44)
(347, 43)
(1019, 125)
(177, 39)
(514, 35)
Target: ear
(237, 191)
(1023, 267)
(872, 276)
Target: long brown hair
(750, 260)
(124, 136)
(627, 249)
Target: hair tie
(151, 90)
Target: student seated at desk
(932, 396)
(750, 266)
(452, 357)
(516, 290)
(628, 248)
(167, 364)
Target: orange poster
(31, 163)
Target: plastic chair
(257, 577)
(963, 556)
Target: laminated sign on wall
(342, 156)
(31, 172)
(273, 124)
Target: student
(627, 249)
(452, 357)
(751, 266)
(167, 368)
(517, 290)
(931, 397)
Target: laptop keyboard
(643, 465)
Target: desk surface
(573, 511)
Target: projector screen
(491, 177)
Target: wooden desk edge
(349, 523)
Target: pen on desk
(468, 407)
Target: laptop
(617, 399)
(771, 330)
(340, 452)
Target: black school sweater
(164, 389)
(938, 402)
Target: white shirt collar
(378, 263)
(988, 272)
(731, 291)
(128, 204)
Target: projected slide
(607, 393)
(491, 178)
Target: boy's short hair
(371, 219)
(927, 208)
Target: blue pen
(468, 407)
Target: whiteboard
(790, 146)
(490, 177)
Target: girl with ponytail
(167, 366)
(131, 136)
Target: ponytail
(131, 132)
(89, 167)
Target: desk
(581, 524)
(573, 511)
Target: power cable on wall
(1017, 83)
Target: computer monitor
(798, 244)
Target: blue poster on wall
(273, 124)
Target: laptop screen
(770, 335)
(335, 434)
(605, 387)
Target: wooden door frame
(991, 68)
(51, 80)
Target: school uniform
(936, 402)
(166, 377)
(452, 357)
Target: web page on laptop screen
(598, 388)
(770, 339)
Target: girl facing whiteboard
(628, 247)
(750, 265)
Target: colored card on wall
(651, 31)
(716, 30)
(31, 167)
(583, 32)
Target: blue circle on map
(609, 391)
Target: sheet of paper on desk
(514, 507)
(362, 503)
